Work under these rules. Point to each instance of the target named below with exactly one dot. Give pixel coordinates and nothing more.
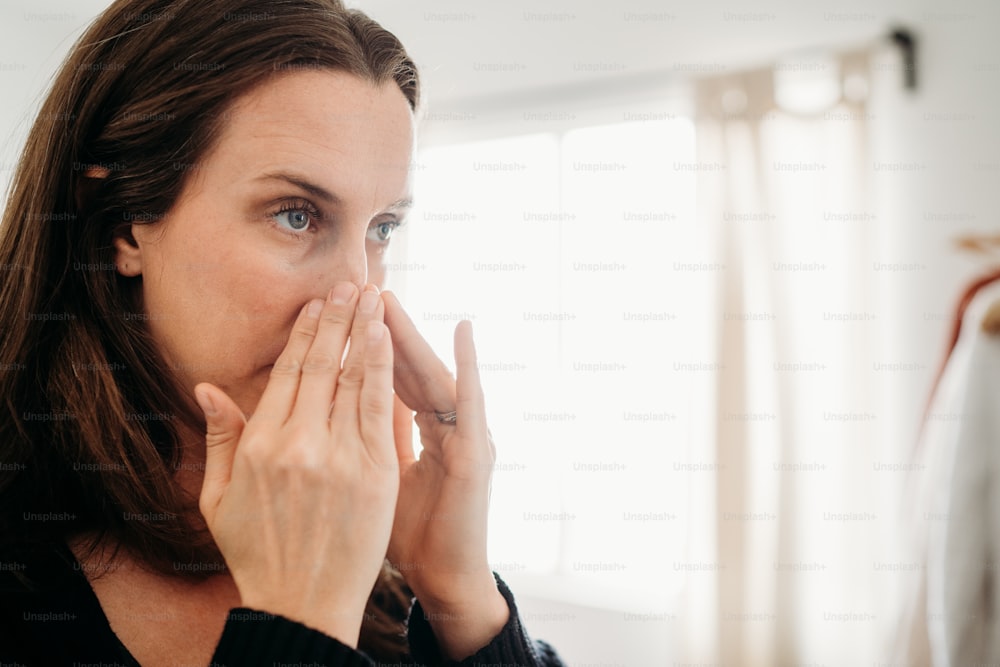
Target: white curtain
(799, 537)
(689, 354)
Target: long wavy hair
(92, 418)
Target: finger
(376, 400)
(469, 403)
(282, 386)
(224, 426)
(422, 379)
(321, 366)
(369, 309)
(402, 431)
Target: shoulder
(36, 569)
(47, 611)
(36, 581)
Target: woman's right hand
(300, 499)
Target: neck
(188, 474)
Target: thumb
(224, 426)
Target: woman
(194, 471)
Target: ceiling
(477, 48)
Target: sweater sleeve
(254, 638)
(511, 647)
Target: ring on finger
(447, 417)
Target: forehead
(328, 124)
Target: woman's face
(303, 189)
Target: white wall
(947, 129)
(33, 41)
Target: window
(556, 246)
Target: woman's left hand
(438, 539)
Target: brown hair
(90, 433)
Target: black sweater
(57, 620)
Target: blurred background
(712, 253)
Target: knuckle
(337, 316)
(299, 435)
(285, 366)
(376, 403)
(302, 332)
(297, 460)
(379, 362)
(297, 451)
(251, 449)
(352, 375)
(319, 362)
(215, 432)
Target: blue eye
(295, 219)
(382, 232)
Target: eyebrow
(324, 194)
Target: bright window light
(556, 247)
(807, 84)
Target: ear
(128, 254)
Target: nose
(349, 261)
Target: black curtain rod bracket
(907, 44)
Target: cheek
(377, 274)
(264, 305)
(228, 311)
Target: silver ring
(447, 417)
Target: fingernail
(371, 287)
(205, 402)
(368, 303)
(342, 293)
(315, 308)
(376, 331)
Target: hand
(300, 498)
(439, 534)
